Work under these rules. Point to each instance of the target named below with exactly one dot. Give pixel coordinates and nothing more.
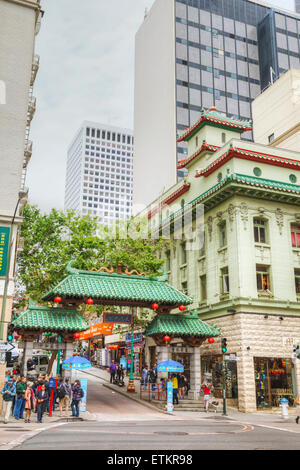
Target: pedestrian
(29, 402)
(31, 366)
(181, 385)
(112, 370)
(42, 399)
(20, 401)
(8, 392)
(175, 389)
(77, 395)
(145, 376)
(206, 387)
(297, 403)
(7, 375)
(64, 393)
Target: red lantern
(57, 300)
(154, 306)
(182, 308)
(76, 335)
(90, 301)
(211, 340)
(167, 339)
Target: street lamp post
(131, 387)
(21, 196)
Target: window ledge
(265, 294)
(203, 303)
(201, 258)
(224, 296)
(223, 248)
(262, 245)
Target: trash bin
(284, 403)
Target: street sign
(6, 347)
(4, 242)
(110, 317)
(232, 357)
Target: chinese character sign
(4, 242)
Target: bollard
(284, 403)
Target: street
(119, 423)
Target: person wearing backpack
(77, 395)
(64, 393)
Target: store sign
(288, 342)
(110, 317)
(137, 338)
(96, 330)
(4, 244)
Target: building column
(28, 353)
(297, 375)
(67, 353)
(246, 383)
(195, 374)
(162, 355)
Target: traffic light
(224, 345)
(296, 351)
(10, 332)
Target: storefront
(273, 381)
(184, 359)
(211, 370)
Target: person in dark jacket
(77, 395)
(8, 392)
(42, 398)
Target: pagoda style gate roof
(37, 320)
(188, 327)
(110, 288)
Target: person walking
(206, 387)
(8, 392)
(175, 389)
(42, 399)
(77, 395)
(145, 376)
(20, 401)
(64, 393)
(112, 371)
(29, 402)
(181, 385)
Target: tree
(52, 240)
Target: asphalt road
(122, 424)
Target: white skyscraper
(99, 172)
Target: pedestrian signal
(224, 345)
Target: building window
(262, 278)
(257, 171)
(297, 281)
(202, 249)
(295, 234)
(203, 288)
(271, 138)
(260, 231)
(183, 253)
(224, 281)
(223, 235)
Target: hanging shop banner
(110, 317)
(136, 346)
(4, 243)
(96, 330)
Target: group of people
(116, 372)
(180, 384)
(24, 397)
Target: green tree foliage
(52, 240)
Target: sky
(86, 73)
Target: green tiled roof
(52, 319)
(181, 325)
(118, 287)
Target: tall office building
(99, 172)
(297, 6)
(194, 54)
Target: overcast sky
(86, 72)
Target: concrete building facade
(99, 172)
(276, 113)
(19, 24)
(192, 54)
(245, 276)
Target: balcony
(31, 109)
(27, 153)
(34, 68)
